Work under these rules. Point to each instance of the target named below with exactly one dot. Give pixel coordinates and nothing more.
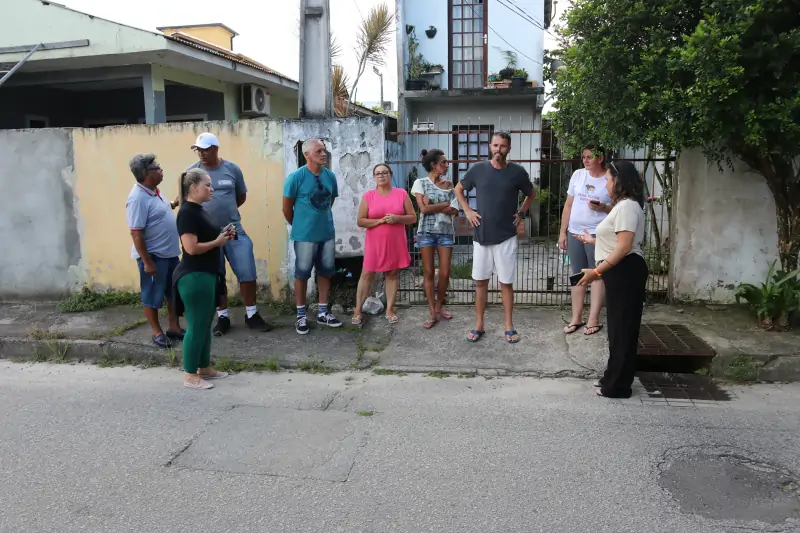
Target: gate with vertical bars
(542, 268)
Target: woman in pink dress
(384, 212)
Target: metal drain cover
(671, 340)
(725, 483)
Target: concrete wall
(724, 232)
(521, 33)
(356, 145)
(39, 217)
(65, 192)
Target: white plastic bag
(372, 306)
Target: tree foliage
(374, 36)
(719, 75)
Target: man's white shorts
(499, 258)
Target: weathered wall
(65, 192)
(38, 215)
(724, 229)
(104, 182)
(356, 145)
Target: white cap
(206, 140)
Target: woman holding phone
(620, 262)
(198, 277)
(588, 203)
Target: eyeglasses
(319, 183)
(382, 173)
(614, 167)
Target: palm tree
(374, 36)
(339, 81)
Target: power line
(504, 39)
(514, 8)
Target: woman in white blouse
(588, 203)
(620, 263)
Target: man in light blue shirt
(308, 196)
(156, 245)
(230, 193)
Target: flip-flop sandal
(597, 384)
(478, 335)
(357, 320)
(200, 385)
(392, 319)
(511, 333)
(596, 328)
(445, 315)
(573, 328)
(430, 323)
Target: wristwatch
(521, 214)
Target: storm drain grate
(671, 340)
(683, 390)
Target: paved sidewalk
(40, 332)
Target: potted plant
(511, 65)
(494, 76)
(432, 74)
(416, 64)
(520, 78)
(430, 32)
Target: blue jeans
(444, 240)
(239, 253)
(156, 288)
(318, 255)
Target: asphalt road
(128, 450)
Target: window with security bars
(470, 145)
(467, 44)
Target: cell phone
(231, 227)
(594, 202)
(575, 278)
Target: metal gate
(542, 268)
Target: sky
(268, 31)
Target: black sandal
(573, 328)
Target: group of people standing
(602, 231)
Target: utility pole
(378, 72)
(316, 94)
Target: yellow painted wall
(103, 182)
(211, 34)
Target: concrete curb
(114, 353)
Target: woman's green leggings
(198, 291)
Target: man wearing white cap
(230, 192)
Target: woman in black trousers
(620, 264)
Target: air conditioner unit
(423, 126)
(255, 101)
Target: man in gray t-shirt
(230, 192)
(497, 184)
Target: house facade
(466, 69)
(92, 72)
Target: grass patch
(227, 364)
(388, 372)
(314, 367)
(440, 374)
(349, 378)
(116, 332)
(364, 413)
(150, 362)
(87, 300)
(704, 371)
(108, 360)
(467, 375)
(742, 369)
(40, 334)
(461, 270)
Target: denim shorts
(318, 255)
(444, 240)
(156, 288)
(239, 253)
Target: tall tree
(374, 36)
(720, 75)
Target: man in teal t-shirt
(308, 196)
